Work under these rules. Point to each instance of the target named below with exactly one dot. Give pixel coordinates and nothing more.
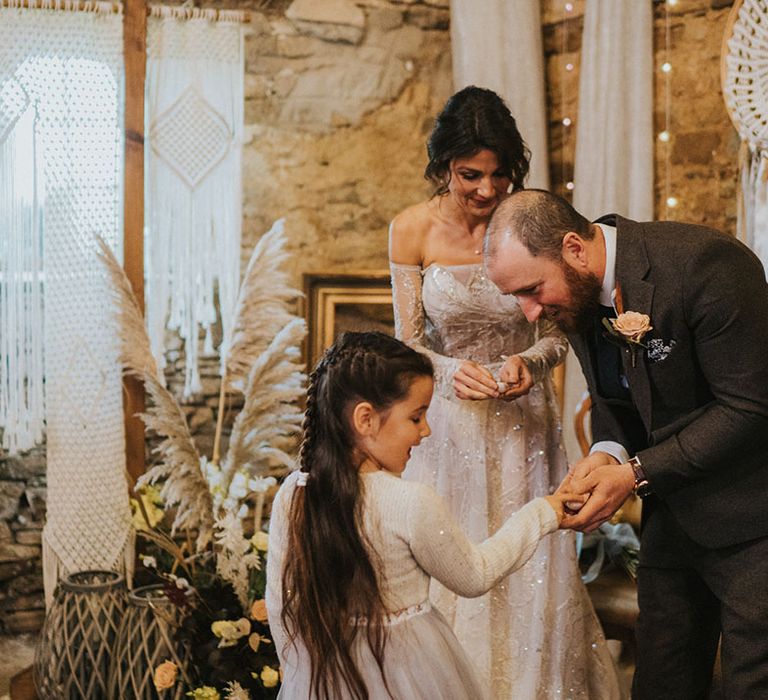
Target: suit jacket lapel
(632, 267)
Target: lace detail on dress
(395, 618)
(410, 323)
(548, 352)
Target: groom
(670, 324)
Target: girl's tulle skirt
(423, 659)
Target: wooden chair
(613, 593)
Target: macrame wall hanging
(193, 184)
(61, 135)
(744, 72)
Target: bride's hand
(517, 377)
(473, 382)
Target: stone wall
(700, 160)
(340, 97)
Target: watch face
(643, 489)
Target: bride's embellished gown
(535, 636)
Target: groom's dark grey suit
(697, 417)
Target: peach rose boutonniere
(631, 327)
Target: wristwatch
(642, 487)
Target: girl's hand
(558, 500)
(473, 382)
(517, 377)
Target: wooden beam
(135, 56)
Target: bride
(496, 440)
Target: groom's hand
(609, 484)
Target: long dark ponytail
(329, 577)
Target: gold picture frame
(350, 301)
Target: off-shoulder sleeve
(442, 549)
(547, 352)
(410, 322)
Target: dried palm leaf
(185, 485)
(270, 419)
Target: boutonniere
(630, 327)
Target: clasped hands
(604, 482)
(474, 382)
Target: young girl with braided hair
(352, 547)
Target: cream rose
(632, 325)
(269, 677)
(165, 675)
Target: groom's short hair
(539, 220)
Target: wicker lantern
(72, 658)
(146, 640)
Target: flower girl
(352, 546)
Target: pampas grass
(261, 360)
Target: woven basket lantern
(72, 658)
(145, 640)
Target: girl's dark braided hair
(328, 576)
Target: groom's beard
(584, 303)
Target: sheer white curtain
(194, 126)
(614, 134)
(61, 97)
(497, 44)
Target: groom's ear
(574, 250)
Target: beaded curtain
(61, 86)
(193, 185)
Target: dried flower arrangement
(207, 564)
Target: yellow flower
(260, 541)
(204, 692)
(229, 631)
(165, 675)
(154, 514)
(256, 640)
(259, 610)
(269, 677)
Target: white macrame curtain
(613, 171)
(61, 88)
(497, 44)
(194, 122)
(746, 95)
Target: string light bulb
(664, 136)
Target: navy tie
(608, 359)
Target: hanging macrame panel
(745, 90)
(193, 185)
(61, 174)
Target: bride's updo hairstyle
(472, 120)
(329, 579)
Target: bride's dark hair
(330, 573)
(474, 119)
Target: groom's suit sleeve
(726, 312)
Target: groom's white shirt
(608, 298)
